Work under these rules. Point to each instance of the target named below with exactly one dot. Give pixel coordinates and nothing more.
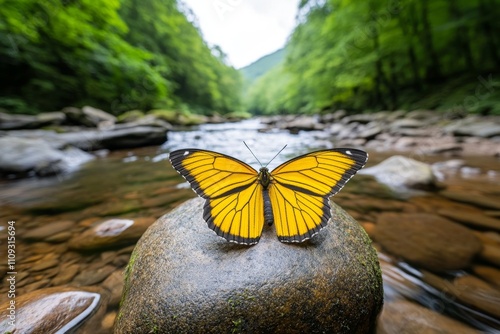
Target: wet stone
(66, 274)
(491, 254)
(184, 278)
(474, 199)
(489, 274)
(427, 240)
(114, 285)
(48, 230)
(49, 310)
(90, 277)
(45, 264)
(111, 233)
(59, 237)
(405, 317)
(473, 219)
(399, 172)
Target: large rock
(399, 172)
(114, 139)
(427, 240)
(25, 155)
(52, 310)
(182, 278)
(88, 116)
(14, 122)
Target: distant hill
(261, 66)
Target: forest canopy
(117, 55)
(372, 55)
(121, 55)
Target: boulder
(50, 310)
(182, 278)
(25, 155)
(88, 116)
(399, 172)
(427, 240)
(15, 122)
(114, 139)
(303, 123)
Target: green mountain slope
(262, 66)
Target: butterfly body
(294, 196)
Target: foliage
(262, 66)
(116, 55)
(384, 55)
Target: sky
(246, 30)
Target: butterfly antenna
(253, 154)
(275, 156)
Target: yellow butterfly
(294, 196)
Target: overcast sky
(245, 29)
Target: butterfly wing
(234, 206)
(300, 189)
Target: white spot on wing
(186, 153)
(348, 152)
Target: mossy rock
(182, 278)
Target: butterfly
(294, 196)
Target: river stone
(47, 230)
(49, 310)
(111, 233)
(24, 155)
(427, 240)
(14, 122)
(476, 220)
(399, 172)
(182, 278)
(88, 116)
(405, 317)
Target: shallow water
(141, 183)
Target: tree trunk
(433, 68)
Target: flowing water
(140, 183)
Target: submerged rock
(405, 317)
(182, 278)
(427, 240)
(111, 233)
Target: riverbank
(54, 143)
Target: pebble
(491, 254)
(91, 277)
(478, 293)
(427, 240)
(489, 274)
(114, 285)
(405, 317)
(45, 264)
(108, 321)
(473, 219)
(66, 274)
(49, 230)
(471, 198)
(60, 237)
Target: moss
(130, 116)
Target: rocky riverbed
(438, 240)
